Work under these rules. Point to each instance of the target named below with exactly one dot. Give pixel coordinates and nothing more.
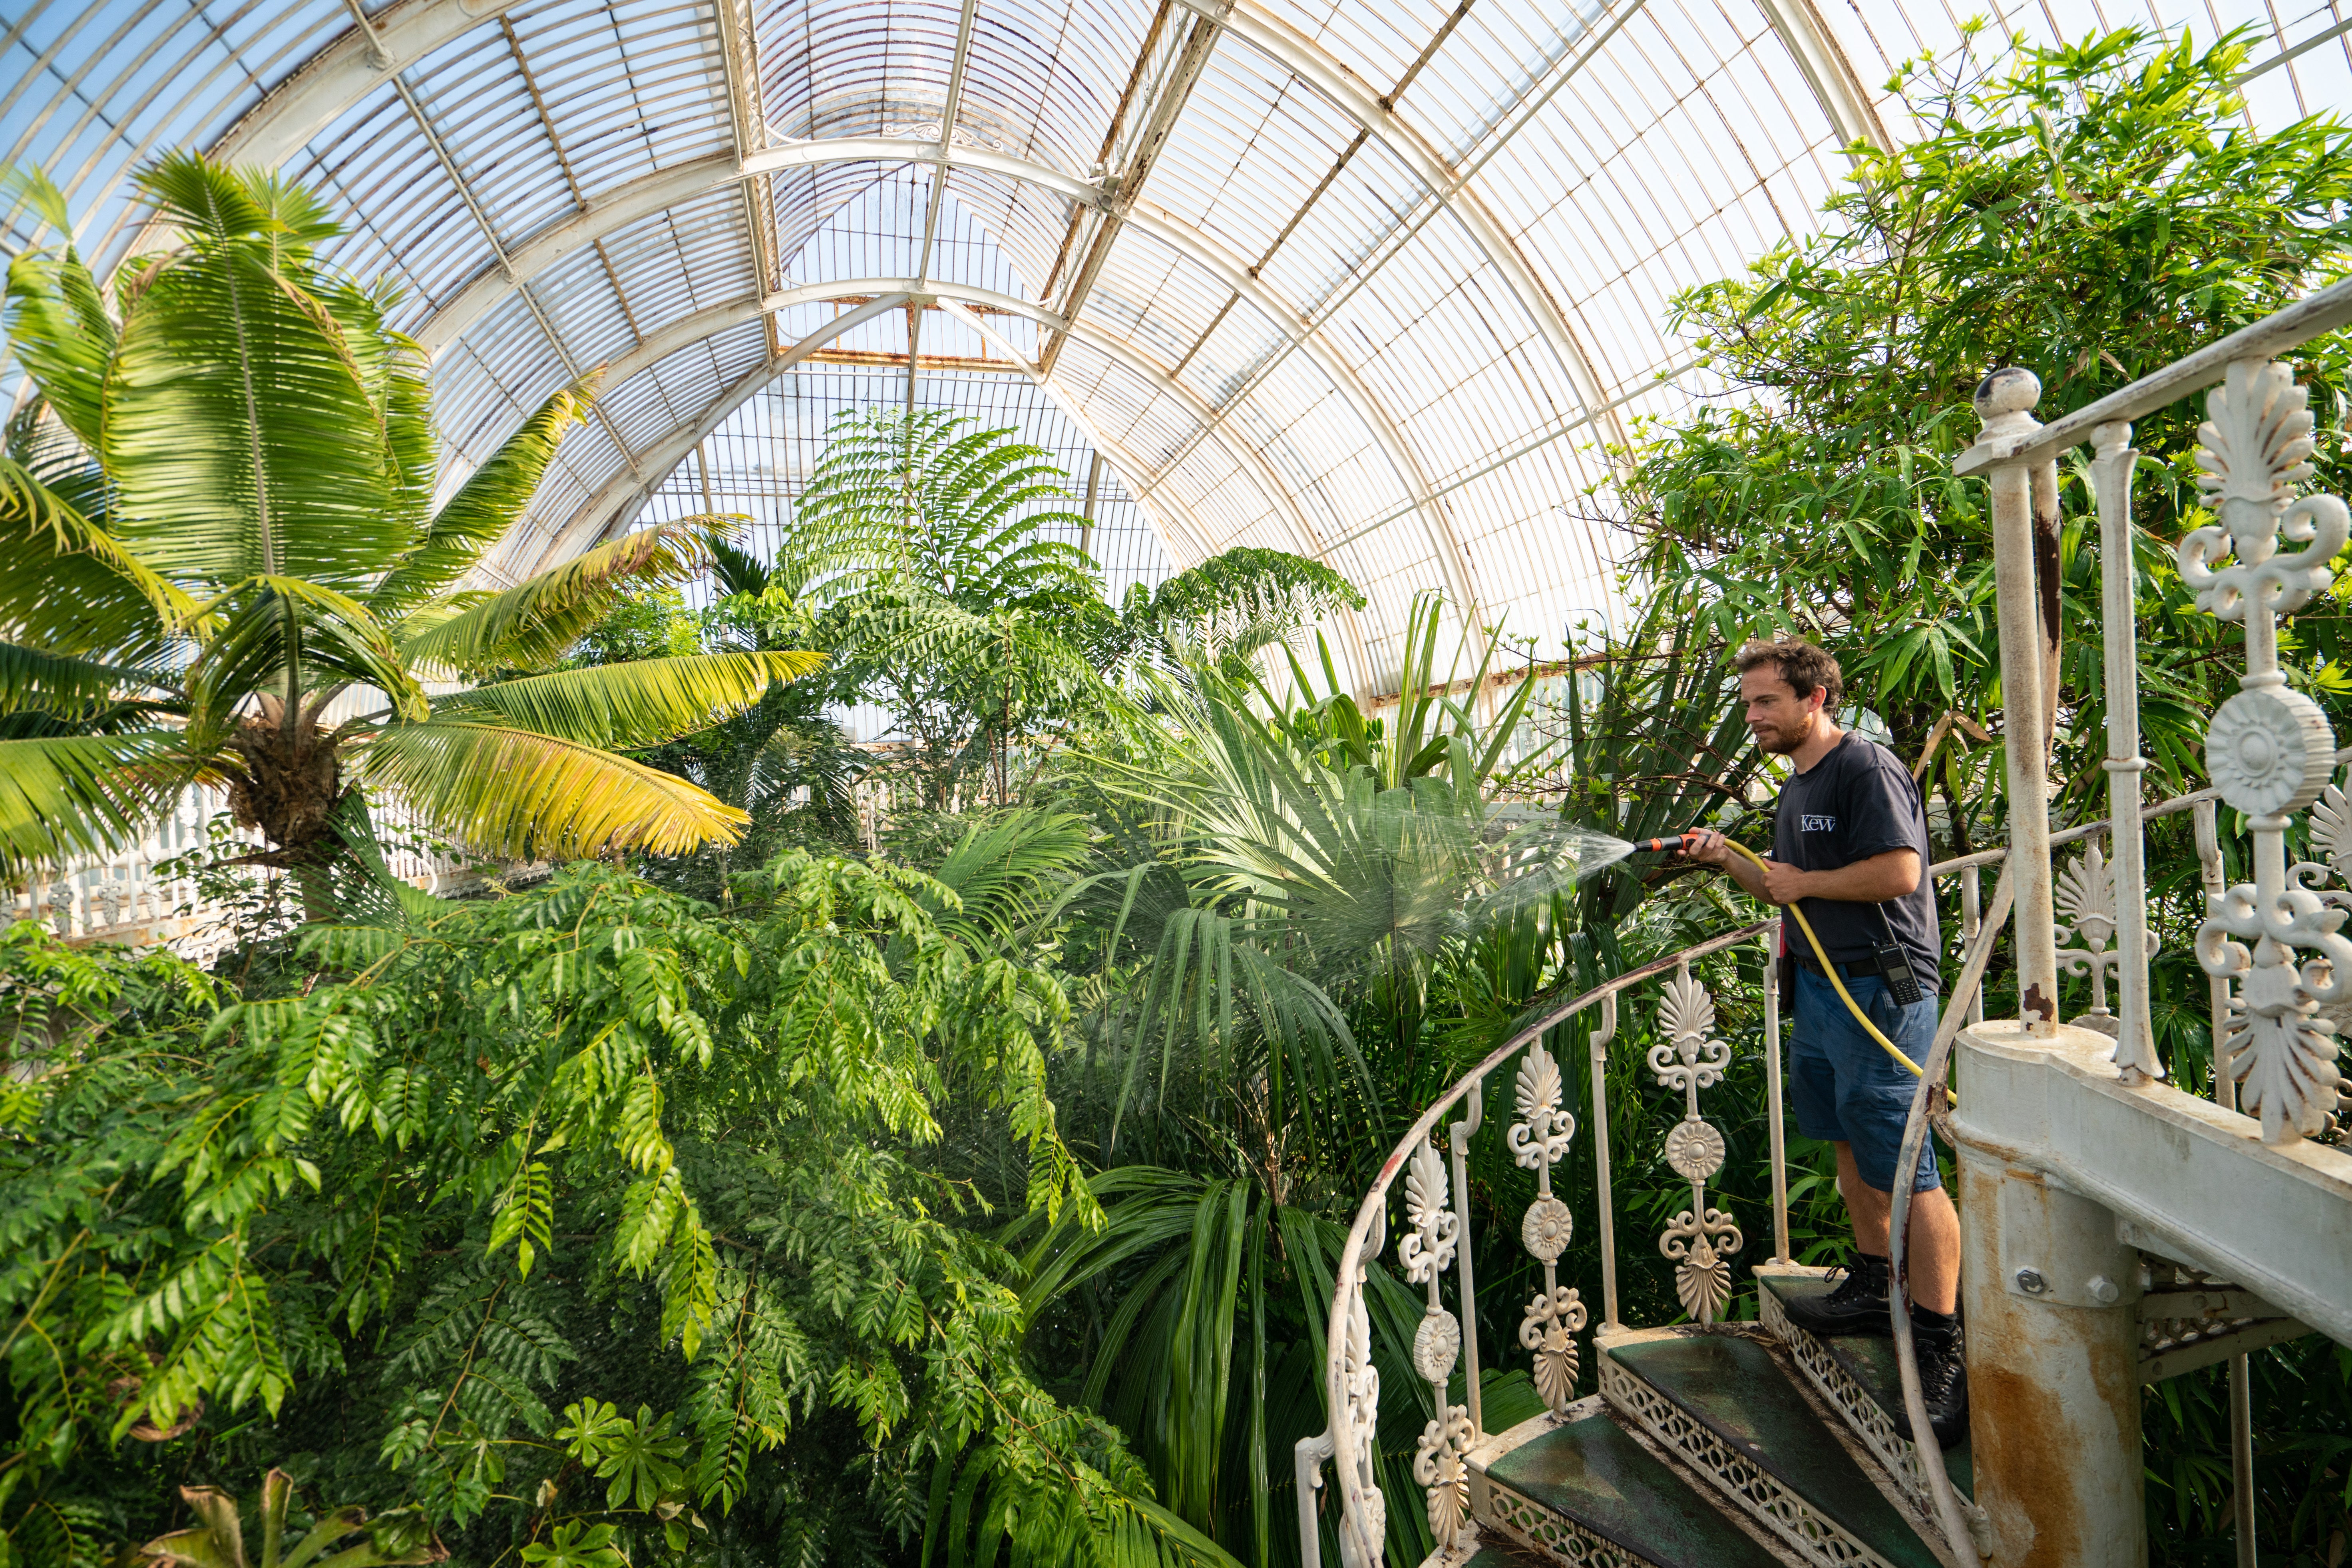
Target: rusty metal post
(2004, 401)
(2052, 1345)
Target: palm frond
(270, 624)
(485, 506)
(56, 317)
(734, 570)
(505, 791)
(1002, 871)
(68, 586)
(67, 796)
(640, 703)
(239, 428)
(530, 625)
(76, 689)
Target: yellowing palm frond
(508, 792)
(65, 796)
(529, 625)
(640, 703)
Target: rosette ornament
(2269, 750)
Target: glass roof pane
(1384, 248)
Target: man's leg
(1932, 1258)
(1857, 1304)
(1865, 1206)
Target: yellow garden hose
(1806, 926)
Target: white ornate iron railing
(2270, 755)
(1700, 1240)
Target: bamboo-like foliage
(258, 446)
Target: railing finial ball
(2011, 389)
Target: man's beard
(1781, 742)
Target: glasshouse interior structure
(1176, 782)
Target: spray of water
(1532, 856)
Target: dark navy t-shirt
(1857, 802)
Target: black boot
(1858, 1305)
(1943, 1378)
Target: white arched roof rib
(631, 204)
(1458, 222)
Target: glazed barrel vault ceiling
(1372, 280)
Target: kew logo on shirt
(1809, 823)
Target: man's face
(1779, 718)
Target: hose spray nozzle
(1673, 842)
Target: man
(1849, 849)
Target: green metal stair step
(1594, 1474)
(1731, 1386)
(1869, 1361)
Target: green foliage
(951, 608)
(1229, 607)
(219, 1542)
(590, 1149)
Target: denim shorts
(1846, 1088)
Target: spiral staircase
(2115, 1229)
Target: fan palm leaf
(624, 705)
(507, 791)
(1002, 871)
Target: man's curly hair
(1804, 666)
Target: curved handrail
(1371, 1221)
(1958, 1525)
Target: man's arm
(1874, 880)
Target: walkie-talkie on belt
(1894, 964)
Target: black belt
(1854, 971)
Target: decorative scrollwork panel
(1700, 1240)
(1427, 1250)
(2270, 752)
(1536, 1140)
